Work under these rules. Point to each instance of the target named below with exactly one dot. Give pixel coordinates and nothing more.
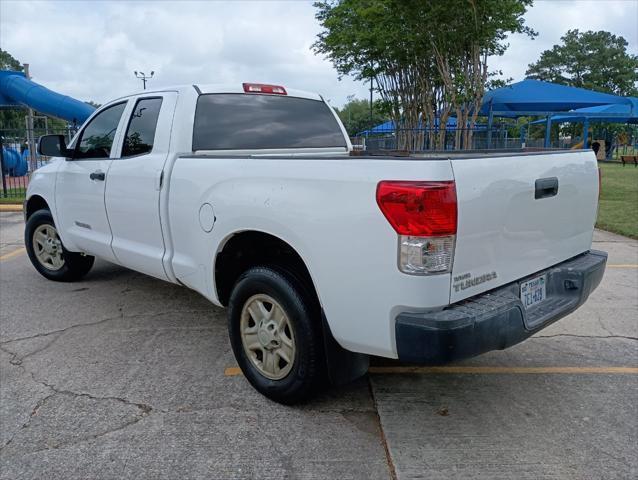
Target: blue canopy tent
(557, 103)
(534, 97)
(616, 113)
(538, 98)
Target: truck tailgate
(511, 223)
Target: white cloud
(552, 18)
(89, 50)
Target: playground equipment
(10, 160)
(14, 163)
(16, 90)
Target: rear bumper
(497, 319)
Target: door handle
(546, 187)
(97, 176)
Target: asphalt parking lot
(124, 376)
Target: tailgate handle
(546, 187)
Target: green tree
(593, 60)
(10, 117)
(355, 115)
(7, 62)
(428, 58)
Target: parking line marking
(6, 256)
(4, 207)
(626, 265)
(236, 371)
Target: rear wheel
(275, 335)
(47, 253)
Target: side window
(140, 133)
(97, 138)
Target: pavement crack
(62, 330)
(14, 355)
(26, 424)
(144, 409)
(602, 325)
(18, 360)
(388, 457)
(121, 315)
(285, 458)
(614, 457)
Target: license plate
(533, 291)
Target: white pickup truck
(249, 195)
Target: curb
(10, 207)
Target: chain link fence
(18, 158)
(481, 139)
(499, 138)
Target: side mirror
(53, 146)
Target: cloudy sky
(89, 49)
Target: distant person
(595, 147)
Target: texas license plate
(533, 291)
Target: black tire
(75, 265)
(307, 371)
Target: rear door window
(140, 133)
(251, 121)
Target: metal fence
(18, 161)
(481, 139)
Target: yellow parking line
(6, 256)
(235, 371)
(626, 265)
(7, 207)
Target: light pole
(143, 77)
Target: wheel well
(34, 204)
(249, 249)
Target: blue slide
(16, 90)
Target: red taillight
(262, 88)
(421, 209)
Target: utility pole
(143, 77)
(30, 132)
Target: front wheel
(48, 255)
(275, 335)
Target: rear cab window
(235, 121)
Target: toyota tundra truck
(249, 194)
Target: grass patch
(14, 195)
(11, 200)
(618, 210)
